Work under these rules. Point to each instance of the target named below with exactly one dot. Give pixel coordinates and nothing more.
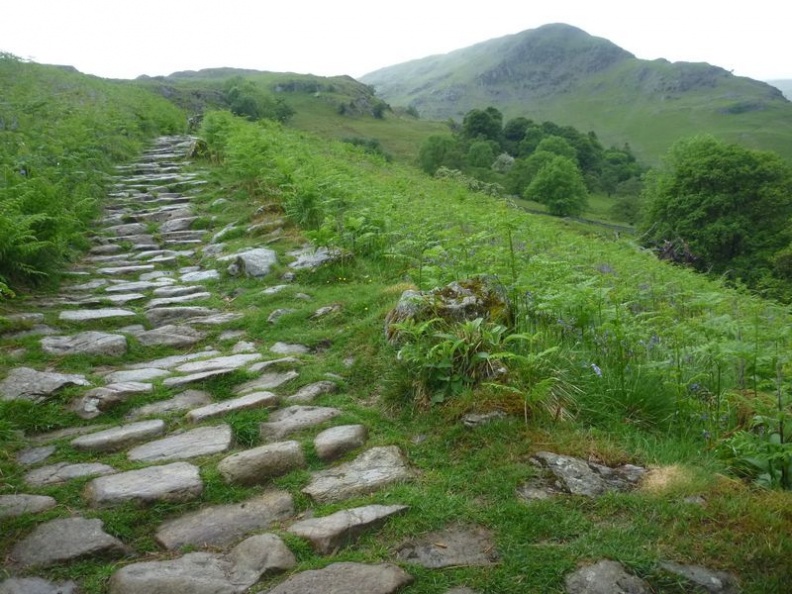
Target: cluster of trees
(553, 164)
(245, 99)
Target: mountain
(783, 85)
(560, 73)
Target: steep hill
(560, 73)
(783, 85)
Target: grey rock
(185, 401)
(344, 578)
(34, 585)
(26, 318)
(267, 381)
(23, 383)
(227, 335)
(131, 287)
(65, 540)
(199, 276)
(217, 319)
(17, 505)
(258, 465)
(295, 418)
(174, 360)
(478, 419)
(221, 525)
(67, 433)
(128, 229)
(372, 470)
(87, 315)
(91, 285)
(312, 391)
(579, 477)
(161, 275)
(171, 335)
(159, 316)
(310, 258)
(337, 441)
(122, 270)
(712, 582)
(184, 380)
(135, 375)
(243, 347)
(229, 362)
(30, 456)
(190, 444)
(178, 481)
(283, 348)
(251, 400)
(258, 555)
(331, 533)
(254, 263)
(94, 401)
(278, 314)
(274, 290)
(213, 250)
(62, 472)
(325, 311)
(37, 330)
(262, 365)
(121, 298)
(453, 547)
(181, 224)
(223, 232)
(117, 438)
(177, 290)
(160, 301)
(604, 577)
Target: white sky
(126, 38)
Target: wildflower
(595, 368)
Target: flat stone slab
(370, 471)
(174, 360)
(34, 585)
(117, 438)
(62, 472)
(171, 335)
(295, 418)
(177, 290)
(190, 444)
(20, 504)
(217, 319)
(88, 315)
(344, 578)
(312, 391)
(131, 287)
(184, 380)
(252, 400)
(85, 343)
(159, 316)
(336, 531)
(207, 573)
(221, 525)
(334, 442)
(712, 582)
(31, 456)
(122, 270)
(24, 383)
(185, 401)
(199, 276)
(259, 465)
(160, 301)
(65, 540)
(94, 401)
(605, 577)
(283, 348)
(229, 362)
(267, 381)
(178, 481)
(135, 375)
(454, 547)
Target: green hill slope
(561, 73)
(783, 85)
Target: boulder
(255, 262)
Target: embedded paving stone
(371, 470)
(579, 477)
(274, 290)
(243, 347)
(173, 382)
(87, 315)
(199, 276)
(67, 433)
(221, 525)
(229, 362)
(30, 456)
(26, 318)
(122, 270)
(331, 533)
(258, 465)
(122, 298)
(254, 263)
(190, 444)
(295, 418)
(177, 290)
(171, 335)
(174, 360)
(131, 287)
(278, 314)
(34, 585)
(207, 573)
(181, 224)
(178, 481)
(19, 504)
(128, 229)
(282, 348)
(118, 438)
(712, 582)
(454, 547)
(135, 375)
(160, 301)
(334, 442)
(311, 391)
(252, 400)
(94, 401)
(266, 382)
(185, 401)
(24, 383)
(62, 472)
(310, 258)
(343, 578)
(165, 315)
(65, 540)
(605, 577)
(217, 319)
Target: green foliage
(480, 154)
(246, 99)
(436, 152)
(728, 206)
(484, 124)
(559, 186)
(557, 145)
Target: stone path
(147, 285)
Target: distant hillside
(783, 85)
(560, 73)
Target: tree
(558, 146)
(480, 154)
(726, 205)
(559, 185)
(435, 152)
(483, 124)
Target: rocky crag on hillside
(132, 291)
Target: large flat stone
(372, 470)
(295, 418)
(228, 362)
(605, 577)
(97, 400)
(118, 438)
(34, 585)
(85, 343)
(184, 380)
(580, 477)
(261, 464)
(66, 540)
(88, 315)
(178, 481)
(253, 400)
(123, 270)
(135, 375)
(162, 301)
(174, 360)
(267, 381)
(221, 525)
(345, 578)
(185, 401)
(159, 316)
(457, 546)
(199, 276)
(334, 442)
(131, 287)
(63, 472)
(202, 441)
(331, 533)
(312, 391)
(255, 262)
(24, 383)
(17, 505)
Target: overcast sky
(126, 38)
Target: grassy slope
(648, 104)
(783, 85)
